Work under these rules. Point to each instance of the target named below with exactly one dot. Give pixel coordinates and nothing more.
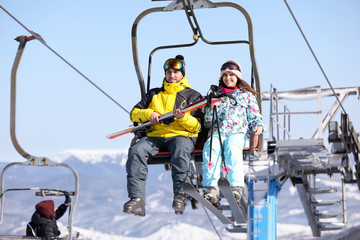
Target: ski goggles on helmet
(173, 63)
(230, 66)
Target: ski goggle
(173, 63)
(230, 66)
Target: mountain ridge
(102, 193)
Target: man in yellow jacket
(178, 136)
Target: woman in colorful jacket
(236, 118)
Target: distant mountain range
(98, 214)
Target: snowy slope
(98, 214)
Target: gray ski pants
(180, 148)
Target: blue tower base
(263, 208)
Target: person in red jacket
(43, 221)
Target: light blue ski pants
(233, 151)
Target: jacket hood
(46, 208)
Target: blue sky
(57, 109)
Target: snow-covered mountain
(98, 214)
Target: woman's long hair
(240, 84)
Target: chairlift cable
(312, 52)
(211, 222)
(74, 68)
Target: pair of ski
(225, 189)
(198, 104)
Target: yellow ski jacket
(169, 97)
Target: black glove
(67, 198)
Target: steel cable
(38, 37)
(312, 52)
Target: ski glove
(67, 198)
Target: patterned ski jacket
(240, 118)
(166, 99)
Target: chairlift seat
(163, 157)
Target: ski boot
(237, 191)
(179, 203)
(135, 206)
(212, 194)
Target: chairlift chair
(189, 7)
(31, 160)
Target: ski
(198, 104)
(225, 189)
(190, 190)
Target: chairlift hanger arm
(189, 10)
(33, 160)
(188, 7)
(22, 43)
(190, 14)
